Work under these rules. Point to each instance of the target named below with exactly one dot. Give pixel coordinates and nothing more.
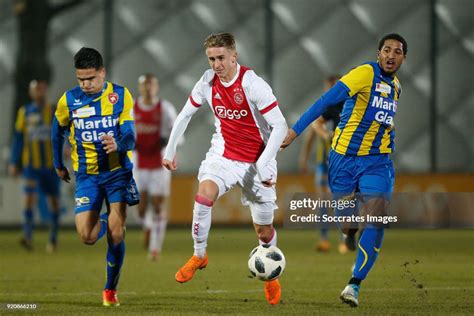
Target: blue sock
(104, 218)
(369, 247)
(115, 255)
(324, 226)
(53, 233)
(28, 223)
(324, 233)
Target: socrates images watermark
(326, 218)
(314, 205)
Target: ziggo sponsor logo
(222, 112)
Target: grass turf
(423, 271)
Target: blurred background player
(99, 116)
(154, 118)
(359, 161)
(320, 134)
(31, 148)
(249, 130)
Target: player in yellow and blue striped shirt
(364, 138)
(31, 148)
(99, 117)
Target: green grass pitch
(418, 272)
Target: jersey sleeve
(358, 79)
(259, 92)
(17, 143)
(20, 120)
(62, 111)
(127, 112)
(197, 97)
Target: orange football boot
(109, 298)
(187, 271)
(323, 246)
(272, 291)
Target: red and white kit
(153, 123)
(249, 131)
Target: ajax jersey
(153, 125)
(238, 107)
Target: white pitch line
(447, 288)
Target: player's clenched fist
(168, 164)
(63, 174)
(110, 145)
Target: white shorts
(156, 182)
(228, 173)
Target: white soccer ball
(266, 262)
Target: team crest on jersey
(238, 98)
(113, 97)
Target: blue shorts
(114, 186)
(372, 175)
(46, 181)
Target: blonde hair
(226, 40)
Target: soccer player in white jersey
(249, 130)
(154, 118)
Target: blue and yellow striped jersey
(91, 116)
(32, 136)
(366, 126)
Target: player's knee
(141, 211)
(208, 190)
(116, 234)
(157, 209)
(30, 201)
(87, 238)
(55, 205)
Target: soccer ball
(266, 262)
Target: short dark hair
(397, 37)
(87, 58)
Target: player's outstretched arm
(335, 95)
(277, 122)
(179, 127)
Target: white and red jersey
(152, 124)
(238, 106)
